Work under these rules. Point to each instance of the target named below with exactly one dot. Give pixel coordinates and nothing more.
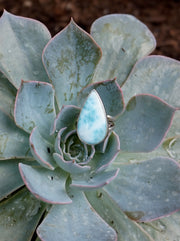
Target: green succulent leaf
(34, 106)
(100, 160)
(156, 75)
(57, 144)
(14, 142)
(46, 185)
(20, 215)
(165, 229)
(135, 157)
(126, 229)
(110, 93)
(124, 40)
(42, 149)
(67, 117)
(147, 190)
(169, 148)
(10, 179)
(22, 42)
(92, 180)
(76, 221)
(7, 96)
(70, 166)
(71, 67)
(144, 123)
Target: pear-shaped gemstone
(92, 124)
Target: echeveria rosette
(58, 147)
(55, 165)
(74, 162)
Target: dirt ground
(162, 17)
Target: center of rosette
(75, 147)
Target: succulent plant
(89, 133)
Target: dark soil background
(162, 17)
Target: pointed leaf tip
(26, 39)
(77, 49)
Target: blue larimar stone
(92, 126)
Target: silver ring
(111, 124)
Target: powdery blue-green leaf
(101, 147)
(14, 142)
(42, 149)
(34, 106)
(22, 42)
(70, 166)
(169, 148)
(124, 40)
(76, 221)
(135, 157)
(57, 144)
(70, 59)
(147, 190)
(100, 160)
(144, 123)
(46, 185)
(7, 96)
(126, 229)
(10, 179)
(165, 229)
(156, 75)
(19, 216)
(110, 93)
(92, 180)
(67, 117)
